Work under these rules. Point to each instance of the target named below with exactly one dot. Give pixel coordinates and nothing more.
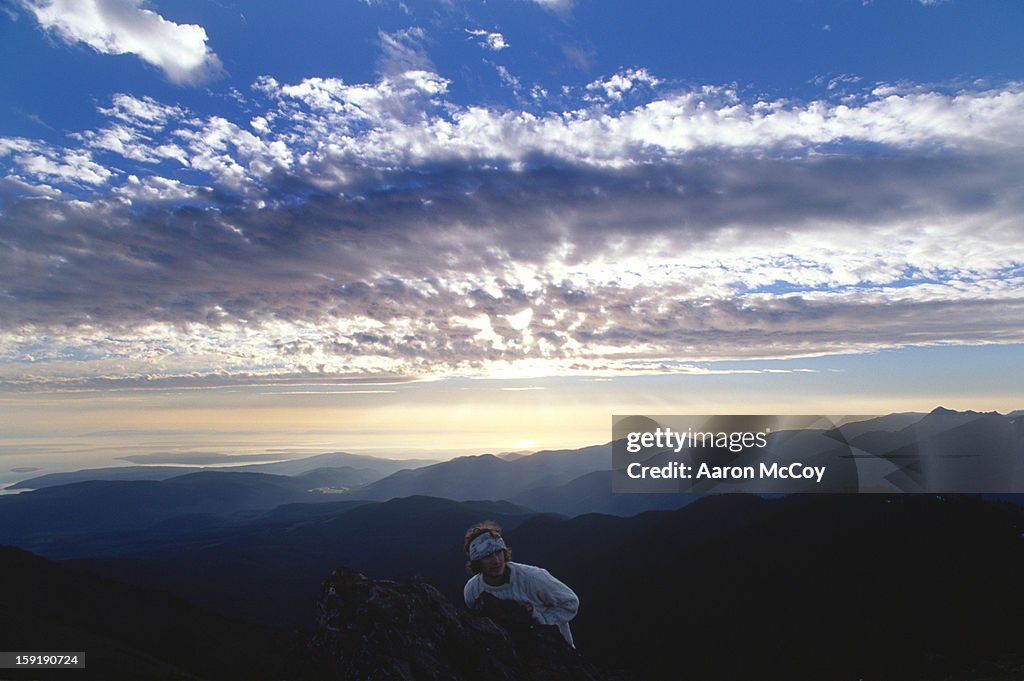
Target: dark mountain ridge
(490, 477)
(42, 519)
(127, 632)
(807, 586)
(269, 572)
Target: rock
(383, 630)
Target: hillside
(127, 632)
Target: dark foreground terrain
(729, 587)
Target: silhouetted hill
(489, 476)
(804, 587)
(951, 451)
(592, 493)
(42, 520)
(110, 474)
(285, 561)
(888, 423)
(338, 479)
(375, 465)
(127, 632)
(359, 468)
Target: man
(548, 600)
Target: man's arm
(471, 592)
(556, 603)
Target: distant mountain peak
(942, 411)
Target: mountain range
(840, 586)
(111, 517)
(359, 469)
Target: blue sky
(394, 198)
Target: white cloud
(491, 40)
(558, 6)
(159, 189)
(331, 133)
(41, 161)
(9, 145)
(623, 82)
(404, 50)
(839, 82)
(131, 143)
(235, 157)
(127, 27)
(507, 78)
(410, 124)
(145, 112)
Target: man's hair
(473, 566)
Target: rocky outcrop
(407, 631)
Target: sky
(424, 228)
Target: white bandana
(484, 545)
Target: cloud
(143, 112)
(614, 87)
(838, 82)
(347, 231)
(160, 189)
(48, 164)
(491, 40)
(404, 50)
(197, 458)
(328, 134)
(126, 27)
(507, 78)
(604, 273)
(581, 58)
(557, 6)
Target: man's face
(493, 566)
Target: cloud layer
(379, 230)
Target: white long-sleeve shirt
(553, 602)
